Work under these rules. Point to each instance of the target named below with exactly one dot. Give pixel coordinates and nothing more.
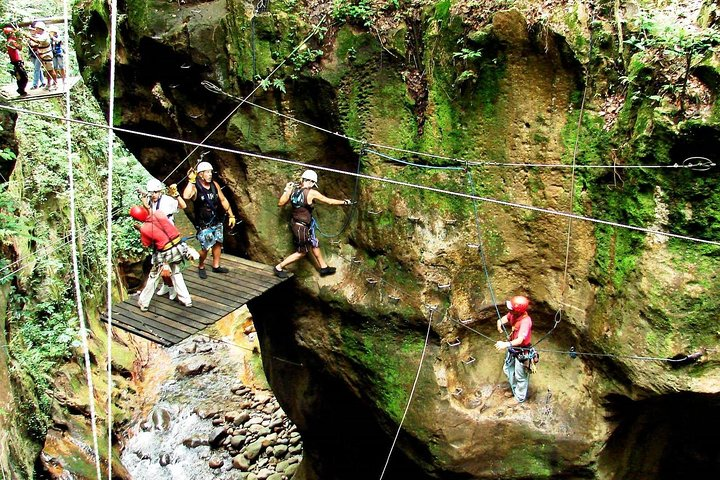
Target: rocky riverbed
(209, 414)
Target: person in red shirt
(520, 338)
(169, 251)
(13, 50)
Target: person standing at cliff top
(40, 44)
(58, 55)
(519, 339)
(13, 50)
(302, 223)
(210, 209)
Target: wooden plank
(139, 323)
(228, 298)
(173, 309)
(249, 264)
(224, 288)
(250, 280)
(252, 277)
(157, 322)
(184, 315)
(259, 269)
(140, 333)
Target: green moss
(390, 362)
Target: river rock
(280, 450)
(165, 459)
(215, 462)
(237, 441)
(193, 442)
(276, 476)
(253, 450)
(290, 470)
(161, 419)
(240, 462)
(264, 473)
(241, 418)
(193, 366)
(216, 437)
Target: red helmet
(518, 304)
(139, 213)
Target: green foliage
(45, 335)
(359, 12)
(11, 222)
(673, 50)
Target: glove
(347, 201)
(191, 175)
(231, 221)
(173, 191)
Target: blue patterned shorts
(210, 236)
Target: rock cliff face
(413, 292)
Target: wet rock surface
(210, 424)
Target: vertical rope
(412, 392)
(111, 137)
(480, 246)
(76, 273)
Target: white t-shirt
(167, 205)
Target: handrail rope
(493, 340)
(66, 239)
(481, 250)
(371, 177)
(393, 159)
(111, 138)
(573, 352)
(412, 393)
(353, 206)
(702, 163)
(314, 31)
(76, 273)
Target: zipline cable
(698, 163)
(111, 138)
(314, 31)
(75, 269)
(412, 393)
(374, 178)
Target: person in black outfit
(302, 223)
(210, 208)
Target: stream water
(209, 414)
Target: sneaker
(143, 309)
(327, 271)
(173, 295)
(220, 270)
(202, 273)
(280, 273)
(188, 305)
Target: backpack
(297, 198)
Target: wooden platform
(168, 322)
(9, 92)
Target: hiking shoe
(202, 273)
(327, 271)
(220, 270)
(280, 273)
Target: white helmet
(309, 175)
(40, 25)
(203, 167)
(154, 185)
